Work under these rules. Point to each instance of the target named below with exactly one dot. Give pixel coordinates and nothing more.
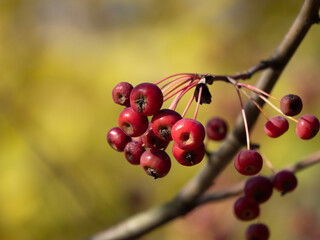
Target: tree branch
(188, 197)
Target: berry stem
(257, 90)
(269, 164)
(178, 74)
(198, 103)
(182, 81)
(180, 95)
(255, 103)
(187, 107)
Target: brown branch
(187, 198)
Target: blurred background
(59, 61)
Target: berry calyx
(155, 163)
(188, 133)
(285, 181)
(258, 231)
(188, 157)
(291, 105)
(246, 210)
(132, 123)
(276, 126)
(248, 162)
(146, 99)
(258, 189)
(121, 93)
(133, 151)
(117, 139)
(216, 129)
(307, 126)
(151, 140)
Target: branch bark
(187, 199)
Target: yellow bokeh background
(59, 61)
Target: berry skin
(188, 133)
(133, 152)
(150, 139)
(258, 189)
(121, 93)
(216, 129)
(163, 121)
(188, 157)
(307, 126)
(285, 181)
(246, 210)
(291, 105)
(258, 231)
(132, 123)
(248, 162)
(146, 99)
(276, 126)
(117, 139)
(155, 163)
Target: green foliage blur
(60, 59)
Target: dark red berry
(188, 133)
(133, 152)
(258, 189)
(163, 121)
(258, 231)
(188, 157)
(216, 129)
(132, 123)
(307, 126)
(246, 210)
(150, 139)
(155, 163)
(291, 105)
(276, 126)
(285, 181)
(146, 99)
(248, 162)
(117, 139)
(121, 93)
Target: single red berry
(258, 189)
(133, 152)
(246, 210)
(151, 140)
(163, 121)
(121, 93)
(155, 163)
(258, 231)
(132, 123)
(307, 126)
(276, 126)
(291, 105)
(146, 99)
(285, 181)
(188, 157)
(117, 139)
(248, 162)
(216, 129)
(188, 133)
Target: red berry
(150, 139)
(291, 105)
(163, 121)
(258, 189)
(146, 99)
(155, 163)
(133, 152)
(188, 157)
(216, 129)
(188, 133)
(248, 162)
(285, 181)
(276, 126)
(117, 139)
(121, 93)
(307, 126)
(132, 123)
(246, 210)
(258, 231)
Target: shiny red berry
(246, 210)
(258, 189)
(121, 93)
(291, 105)
(248, 162)
(146, 99)
(258, 231)
(155, 163)
(216, 129)
(133, 152)
(285, 181)
(132, 123)
(188, 157)
(276, 126)
(151, 140)
(117, 139)
(307, 126)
